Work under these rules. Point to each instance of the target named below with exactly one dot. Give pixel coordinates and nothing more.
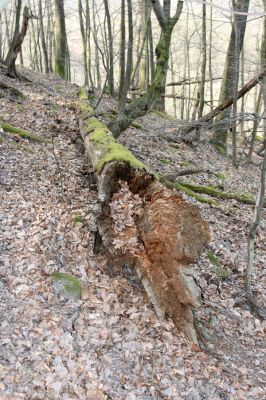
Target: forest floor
(110, 343)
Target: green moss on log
(100, 135)
(23, 133)
(114, 151)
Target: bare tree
(203, 62)
(229, 75)
(16, 46)
(110, 72)
(261, 193)
(141, 105)
(43, 41)
(16, 32)
(127, 75)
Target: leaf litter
(110, 344)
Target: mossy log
(23, 133)
(143, 224)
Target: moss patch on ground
(70, 284)
(23, 133)
(222, 273)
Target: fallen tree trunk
(143, 224)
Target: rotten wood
(163, 233)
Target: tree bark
(43, 41)
(60, 40)
(255, 125)
(16, 33)
(261, 193)
(122, 65)
(84, 42)
(228, 84)
(11, 66)
(127, 74)
(111, 49)
(203, 63)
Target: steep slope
(109, 344)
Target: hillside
(110, 344)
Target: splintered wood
(159, 234)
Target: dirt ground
(110, 344)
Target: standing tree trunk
(203, 62)
(143, 71)
(210, 60)
(151, 51)
(97, 79)
(261, 194)
(255, 124)
(84, 42)
(127, 76)
(235, 87)
(1, 38)
(111, 49)
(228, 83)
(143, 104)
(49, 35)
(60, 40)
(122, 47)
(43, 41)
(11, 66)
(16, 33)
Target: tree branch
(228, 102)
(178, 11)
(158, 11)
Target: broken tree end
(144, 225)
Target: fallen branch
(189, 192)
(150, 241)
(190, 82)
(23, 133)
(213, 192)
(227, 103)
